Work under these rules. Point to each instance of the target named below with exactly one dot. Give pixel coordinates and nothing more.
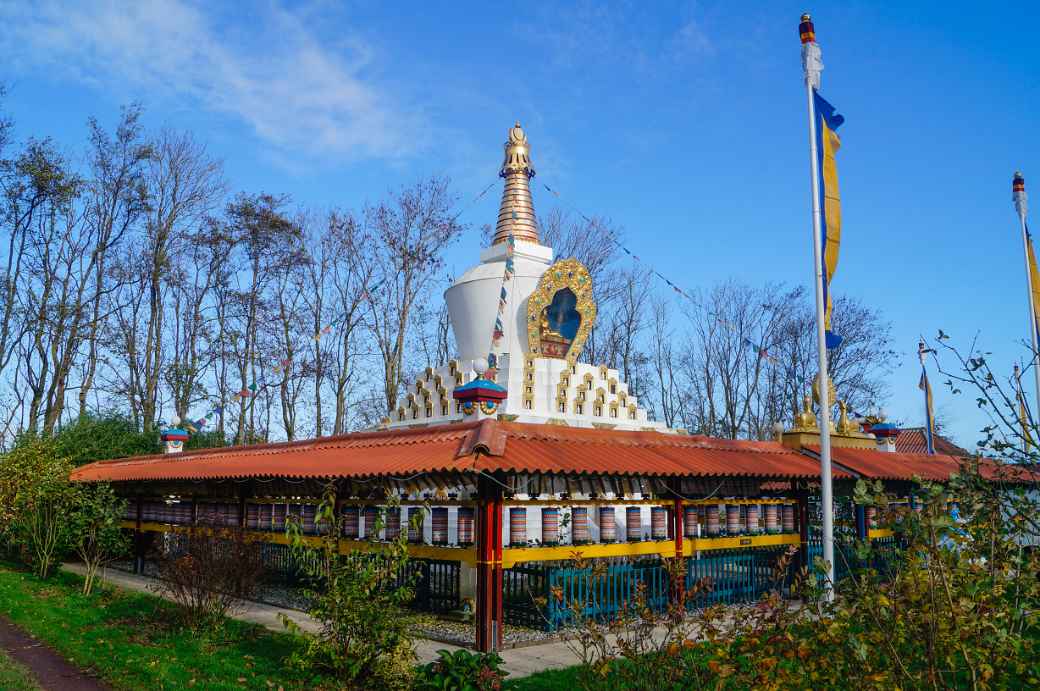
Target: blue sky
(682, 122)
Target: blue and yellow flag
(1034, 279)
(827, 144)
(1020, 396)
(929, 417)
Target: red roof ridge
(525, 430)
(487, 438)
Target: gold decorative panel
(541, 338)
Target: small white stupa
(531, 327)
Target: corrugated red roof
(551, 448)
(913, 440)
(883, 465)
(351, 455)
(473, 446)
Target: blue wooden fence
(552, 596)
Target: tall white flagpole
(812, 65)
(1018, 193)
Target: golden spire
(516, 213)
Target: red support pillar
(678, 527)
(489, 609)
(497, 592)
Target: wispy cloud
(623, 35)
(268, 67)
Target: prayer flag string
(761, 351)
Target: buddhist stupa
(542, 313)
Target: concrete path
(518, 662)
(52, 671)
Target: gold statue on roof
(804, 420)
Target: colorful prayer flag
(827, 144)
(929, 428)
(1023, 412)
(1034, 278)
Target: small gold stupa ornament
(845, 425)
(804, 420)
(516, 212)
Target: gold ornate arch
(566, 273)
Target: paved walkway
(518, 662)
(51, 670)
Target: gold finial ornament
(516, 212)
(844, 424)
(805, 420)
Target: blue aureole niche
(562, 316)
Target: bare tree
(352, 288)
(410, 230)
(266, 241)
(117, 197)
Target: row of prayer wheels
(698, 521)
(366, 522)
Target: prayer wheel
(772, 518)
(439, 521)
(659, 522)
(871, 517)
(309, 511)
(752, 519)
(711, 512)
(351, 523)
(415, 521)
(518, 525)
(550, 525)
(252, 516)
(278, 517)
(690, 521)
(265, 517)
(607, 524)
(733, 519)
(466, 523)
(788, 518)
(370, 516)
(580, 524)
(633, 524)
(393, 522)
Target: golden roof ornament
(804, 420)
(516, 212)
(845, 425)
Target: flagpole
(812, 66)
(1018, 191)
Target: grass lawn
(130, 641)
(550, 680)
(15, 677)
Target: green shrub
(36, 500)
(94, 438)
(359, 600)
(97, 532)
(462, 670)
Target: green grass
(550, 680)
(131, 640)
(15, 677)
